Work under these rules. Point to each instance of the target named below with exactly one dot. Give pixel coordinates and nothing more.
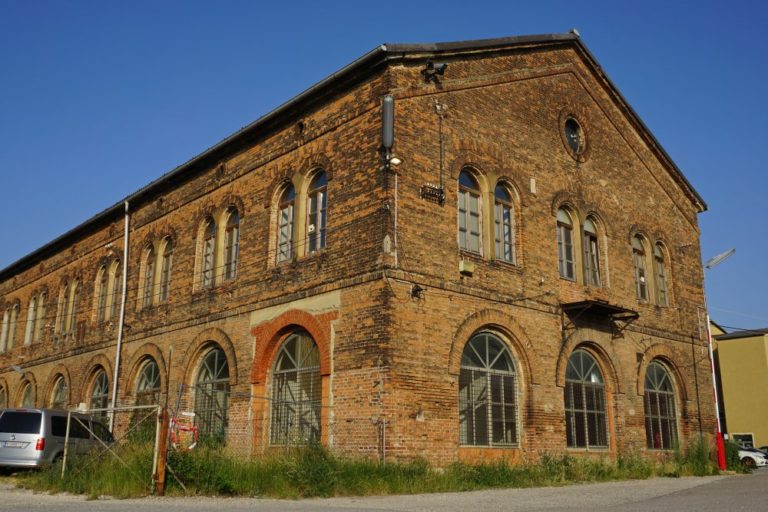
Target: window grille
(487, 393)
(212, 395)
(585, 408)
(660, 416)
(296, 392)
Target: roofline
(358, 69)
(746, 333)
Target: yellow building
(742, 362)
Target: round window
(574, 135)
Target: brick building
(518, 273)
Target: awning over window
(597, 311)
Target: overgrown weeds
(315, 472)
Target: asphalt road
(709, 494)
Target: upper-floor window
(470, 238)
(209, 254)
(30, 325)
(115, 289)
(285, 216)
(73, 298)
(504, 230)
(231, 243)
(565, 253)
(149, 276)
(166, 261)
(317, 199)
(12, 323)
(638, 260)
(591, 253)
(40, 316)
(662, 298)
(102, 289)
(4, 330)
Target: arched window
(231, 244)
(40, 316)
(662, 298)
(165, 270)
(70, 319)
(660, 417)
(208, 255)
(585, 409)
(285, 224)
(638, 259)
(4, 330)
(487, 393)
(591, 253)
(59, 394)
(148, 383)
(296, 391)
(13, 322)
(27, 396)
(61, 309)
(116, 289)
(148, 289)
(470, 238)
(317, 198)
(102, 288)
(99, 398)
(31, 312)
(504, 230)
(565, 256)
(212, 395)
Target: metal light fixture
(434, 70)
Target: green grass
(315, 472)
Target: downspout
(121, 321)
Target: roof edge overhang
(351, 74)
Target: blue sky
(97, 99)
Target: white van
(33, 438)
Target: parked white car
(752, 457)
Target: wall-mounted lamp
(434, 70)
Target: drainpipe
(121, 321)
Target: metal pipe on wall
(121, 321)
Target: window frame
(231, 243)
(148, 282)
(166, 265)
(595, 418)
(591, 249)
(504, 224)
(566, 246)
(656, 437)
(660, 275)
(317, 212)
(467, 211)
(286, 224)
(497, 404)
(212, 388)
(639, 254)
(208, 254)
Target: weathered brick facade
(385, 301)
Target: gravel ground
(603, 496)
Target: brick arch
(604, 360)
(99, 361)
(282, 179)
(146, 350)
(206, 339)
(314, 162)
(62, 370)
(482, 163)
(28, 377)
(270, 335)
(602, 225)
(639, 229)
(496, 321)
(663, 354)
(565, 199)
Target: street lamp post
(719, 437)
